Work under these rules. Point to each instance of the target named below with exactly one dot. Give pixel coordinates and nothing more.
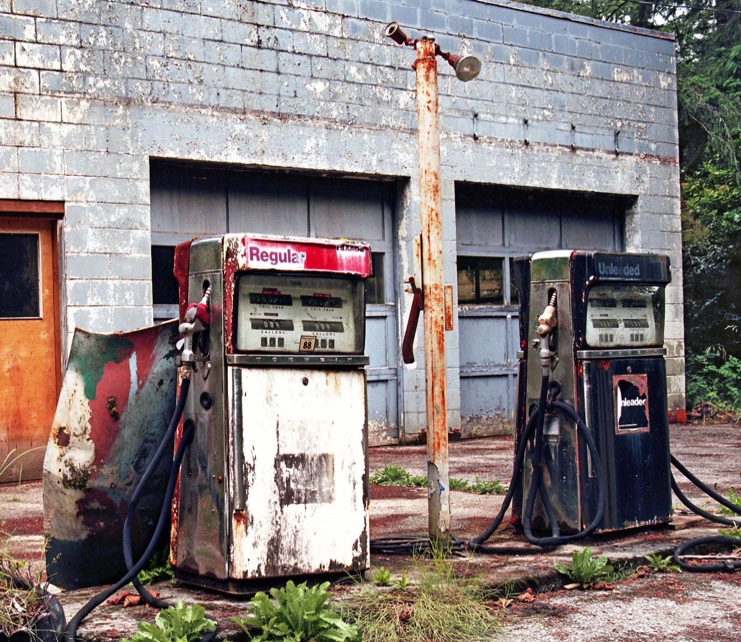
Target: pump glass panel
(625, 316)
(297, 314)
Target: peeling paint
(112, 412)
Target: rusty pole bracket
(418, 305)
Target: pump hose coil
(537, 485)
(714, 542)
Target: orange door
(30, 372)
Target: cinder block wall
(90, 90)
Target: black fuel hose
(703, 513)
(101, 597)
(715, 541)
(535, 485)
(727, 566)
(708, 491)
(476, 544)
(165, 449)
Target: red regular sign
(343, 257)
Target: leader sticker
(631, 403)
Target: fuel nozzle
(197, 319)
(548, 320)
(547, 323)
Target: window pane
(480, 280)
(164, 283)
(466, 279)
(19, 276)
(514, 295)
(374, 284)
(491, 281)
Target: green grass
(438, 607)
(23, 597)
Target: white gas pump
(275, 482)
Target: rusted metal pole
(430, 204)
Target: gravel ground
(679, 607)
(683, 607)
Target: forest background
(708, 43)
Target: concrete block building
(127, 126)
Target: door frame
(50, 213)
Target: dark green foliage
(158, 569)
(297, 614)
(715, 380)
(394, 475)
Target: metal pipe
(430, 203)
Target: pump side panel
(302, 467)
(632, 434)
(199, 536)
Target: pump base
(247, 588)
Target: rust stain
(112, 407)
(448, 308)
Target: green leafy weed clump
(297, 614)
(735, 498)
(661, 563)
(587, 570)
(178, 623)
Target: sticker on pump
(307, 344)
(631, 403)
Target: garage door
(493, 226)
(188, 202)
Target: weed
(297, 614)
(177, 623)
(12, 457)
(660, 563)
(392, 475)
(494, 487)
(458, 484)
(24, 600)
(382, 577)
(404, 581)
(158, 569)
(734, 531)
(585, 569)
(735, 498)
(439, 608)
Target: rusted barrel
(117, 399)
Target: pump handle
(407, 345)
